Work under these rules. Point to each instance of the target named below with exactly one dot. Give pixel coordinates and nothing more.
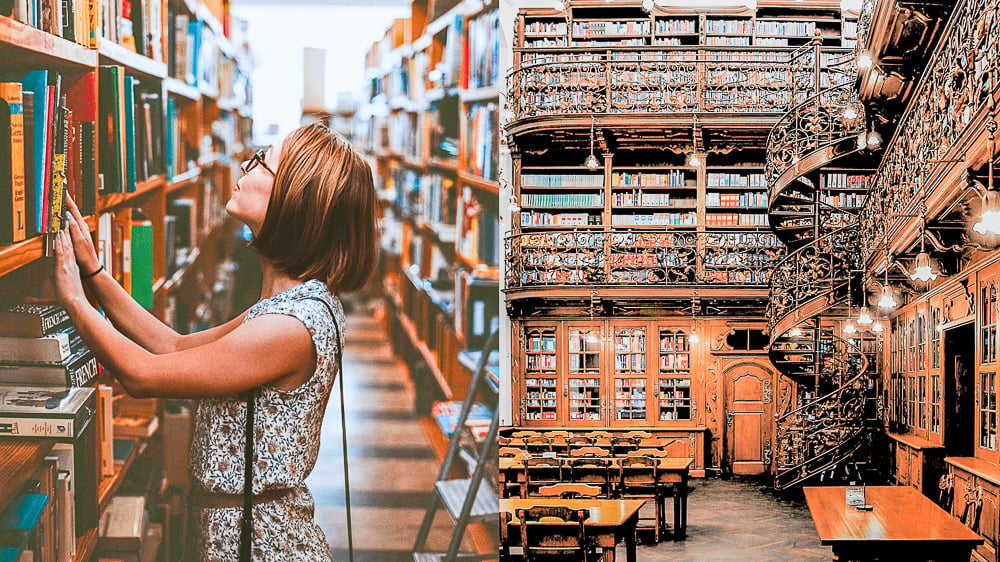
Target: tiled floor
(392, 466)
(732, 520)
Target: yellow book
(12, 225)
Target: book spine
(10, 92)
(36, 427)
(50, 349)
(106, 429)
(28, 118)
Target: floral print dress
(286, 441)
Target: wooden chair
(524, 434)
(622, 445)
(638, 435)
(656, 453)
(554, 533)
(655, 443)
(592, 471)
(541, 471)
(504, 441)
(537, 445)
(589, 452)
(569, 491)
(605, 434)
(579, 441)
(504, 546)
(640, 480)
(513, 452)
(558, 433)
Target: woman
(310, 204)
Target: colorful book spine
(12, 190)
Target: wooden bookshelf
(23, 271)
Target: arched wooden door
(749, 419)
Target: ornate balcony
(666, 81)
(935, 138)
(640, 258)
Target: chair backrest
(655, 443)
(638, 434)
(639, 472)
(524, 434)
(589, 452)
(557, 433)
(504, 540)
(537, 444)
(605, 434)
(579, 441)
(512, 452)
(542, 471)
(569, 491)
(553, 531)
(657, 453)
(504, 441)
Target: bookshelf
(429, 128)
(187, 127)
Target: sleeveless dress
(286, 440)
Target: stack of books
(40, 346)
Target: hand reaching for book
(69, 287)
(83, 246)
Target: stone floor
(393, 468)
(734, 520)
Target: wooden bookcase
(207, 121)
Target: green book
(142, 262)
(129, 134)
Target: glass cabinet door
(630, 380)
(585, 397)
(673, 382)
(541, 380)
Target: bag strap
(246, 527)
(343, 423)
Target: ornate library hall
(751, 280)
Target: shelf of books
(139, 111)
(430, 126)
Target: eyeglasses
(257, 158)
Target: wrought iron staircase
(826, 426)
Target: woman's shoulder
(311, 301)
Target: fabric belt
(203, 498)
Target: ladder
(472, 499)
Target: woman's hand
(82, 245)
(69, 288)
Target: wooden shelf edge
(187, 91)
(490, 186)
(21, 36)
(180, 181)
(21, 458)
(85, 546)
(20, 254)
(113, 201)
(425, 352)
(117, 54)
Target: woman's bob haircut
(320, 221)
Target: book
(106, 428)
(111, 130)
(123, 524)
(79, 370)
(142, 262)
(33, 320)
(45, 411)
(18, 521)
(130, 140)
(28, 119)
(65, 536)
(53, 348)
(36, 82)
(12, 192)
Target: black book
(68, 19)
(155, 132)
(87, 140)
(6, 181)
(33, 320)
(79, 370)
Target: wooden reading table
(673, 474)
(610, 521)
(903, 525)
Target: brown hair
(320, 221)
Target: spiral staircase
(825, 428)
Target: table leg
(678, 503)
(630, 540)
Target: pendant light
(878, 328)
(865, 316)
(592, 163)
(989, 220)
(887, 302)
(922, 269)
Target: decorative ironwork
(680, 80)
(953, 92)
(626, 257)
(818, 270)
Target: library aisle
(393, 467)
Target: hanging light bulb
(874, 139)
(647, 5)
(865, 316)
(694, 161)
(795, 332)
(886, 301)
(850, 113)
(693, 338)
(865, 61)
(878, 328)
(592, 163)
(989, 222)
(512, 205)
(849, 328)
(922, 270)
